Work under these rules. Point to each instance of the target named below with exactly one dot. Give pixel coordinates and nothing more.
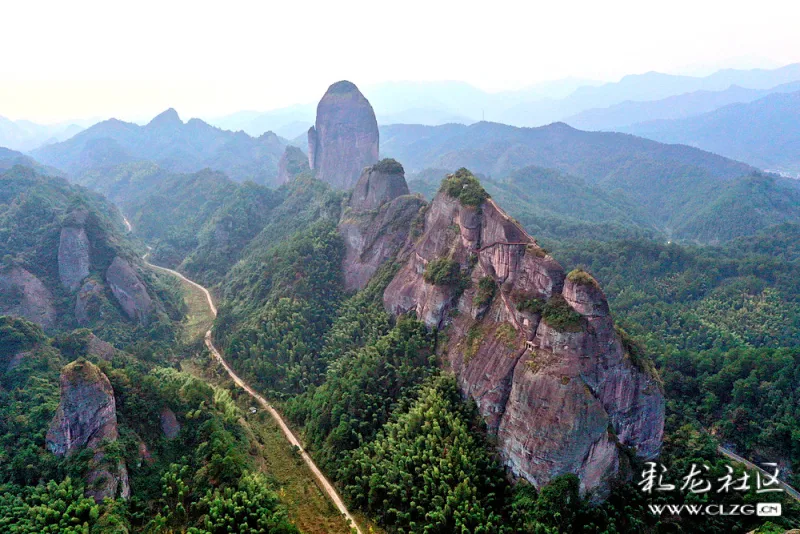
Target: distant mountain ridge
(11, 158)
(26, 135)
(764, 133)
(497, 149)
(628, 113)
(440, 102)
(643, 87)
(606, 182)
(172, 144)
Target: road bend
(323, 481)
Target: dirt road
(324, 483)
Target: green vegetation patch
(389, 166)
(444, 272)
(487, 288)
(463, 186)
(579, 276)
(472, 342)
(636, 353)
(506, 334)
(539, 252)
(560, 315)
(427, 471)
(530, 304)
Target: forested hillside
(66, 263)
(183, 442)
(681, 192)
(551, 204)
(763, 132)
(367, 389)
(170, 143)
(367, 392)
(724, 324)
(381, 376)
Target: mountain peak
(343, 86)
(166, 118)
(344, 138)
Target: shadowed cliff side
(377, 220)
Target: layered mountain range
(764, 132)
(593, 104)
(172, 144)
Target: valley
(407, 328)
(208, 305)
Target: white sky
(86, 58)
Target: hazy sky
(85, 59)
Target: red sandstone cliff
(536, 349)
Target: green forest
(364, 388)
(201, 481)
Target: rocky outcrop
(376, 222)
(129, 290)
(292, 162)
(88, 302)
(145, 456)
(169, 423)
(378, 184)
(100, 349)
(87, 417)
(24, 295)
(539, 353)
(73, 254)
(344, 138)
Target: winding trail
(324, 483)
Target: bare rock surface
(24, 295)
(562, 397)
(129, 290)
(87, 417)
(100, 349)
(344, 138)
(169, 423)
(73, 253)
(379, 184)
(376, 223)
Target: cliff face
(73, 253)
(129, 290)
(535, 349)
(24, 295)
(87, 417)
(292, 163)
(344, 138)
(377, 220)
